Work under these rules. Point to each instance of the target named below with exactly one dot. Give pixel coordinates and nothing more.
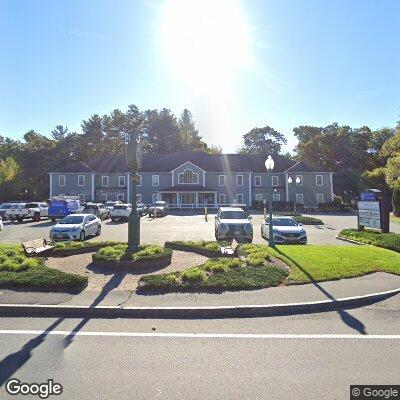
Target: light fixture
(269, 163)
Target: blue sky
(235, 65)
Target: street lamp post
(290, 180)
(269, 165)
(134, 219)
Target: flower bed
(253, 272)
(16, 270)
(63, 249)
(148, 256)
(205, 248)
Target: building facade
(193, 179)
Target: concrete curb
(351, 240)
(234, 311)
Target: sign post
(373, 211)
(265, 208)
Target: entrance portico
(189, 196)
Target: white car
(285, 230)
(233, 223)
(121, 212)
(76, 227)
(1, 224)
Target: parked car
(233, 223)
(121, 212)
(110, 204)
(76, 227)
(285, 230)
(33, 210)
(98, 209)
(60, 208)
(243, 206)
(3, 208)
(158, 208)
(141, 209)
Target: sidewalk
(331, 290)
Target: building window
(103, 196)
(120, 197)
(320, 198)
(139, 180)
(155, 197)
(300, 180)
(276, 197)
(257, 180)
(275, 180)
(239, 180)
(81, 180)
(259, 197)
(222, 198)
(188, 176)
(139, 198)
(319, 181)
(299, 198)
(61, 180)
(221, 180)
(239, 198)
(104, 181)
(81, 196)
(155, 180)
(122, 181)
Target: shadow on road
(347, 318)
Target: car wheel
(112, 219)
(262, 233)
(82, 236)
(36, 217)
(20, 219)
(98, 233)
(53, 220)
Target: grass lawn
(395, 220)
(16, 270)
(320, 263)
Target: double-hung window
(122, 181)
(104, 181)
(319, 181)
(155, 180)
(221, 180)
(257, 180)
(61, 180)
(239, 180)
(81, 180)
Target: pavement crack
(126, 300)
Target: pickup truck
(34, 211)
(233, 223)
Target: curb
(352, 241)
(238, 311)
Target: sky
(234, 64)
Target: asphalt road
(181, 227)
(316, 356)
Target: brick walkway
(82, 264)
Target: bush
(209, 246)
(119, 253)
(193, 274)
(18, 270)
(389, 241)
(76, 245)
(396, 201)
(308, 220)
(222, 264)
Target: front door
(188, 198)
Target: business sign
(369, 214)
(367, 196)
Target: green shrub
(200, 244)
(77, 245)
(194, 274)
(389, 241)
(308, 220)
(221, 264)
(119, 252)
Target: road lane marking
(203, 335)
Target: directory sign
(369, 214)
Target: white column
(331, 186)
(51, 186)
(287, 186)
(249, 189)
(93, 190)
(128, 187)
(197, 200)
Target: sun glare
(205, 43)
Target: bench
(229, 250)
(34, 247)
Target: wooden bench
(34, 247)
(229, 250)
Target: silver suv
(233, 223)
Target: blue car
(60, 208)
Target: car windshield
(121, 207)
(91, 207)
(31, 205)
(5, 206)
(72, 219)
(233, 215)
(283, 222)
(159, 203)
(110, 203)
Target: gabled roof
(302, 166)
(208, 162)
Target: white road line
(205, 335)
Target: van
(59, 208)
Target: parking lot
(177, 226)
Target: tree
(262, 141)
(212, 149)
(8, 170)
(189, 135)
(396, 201)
